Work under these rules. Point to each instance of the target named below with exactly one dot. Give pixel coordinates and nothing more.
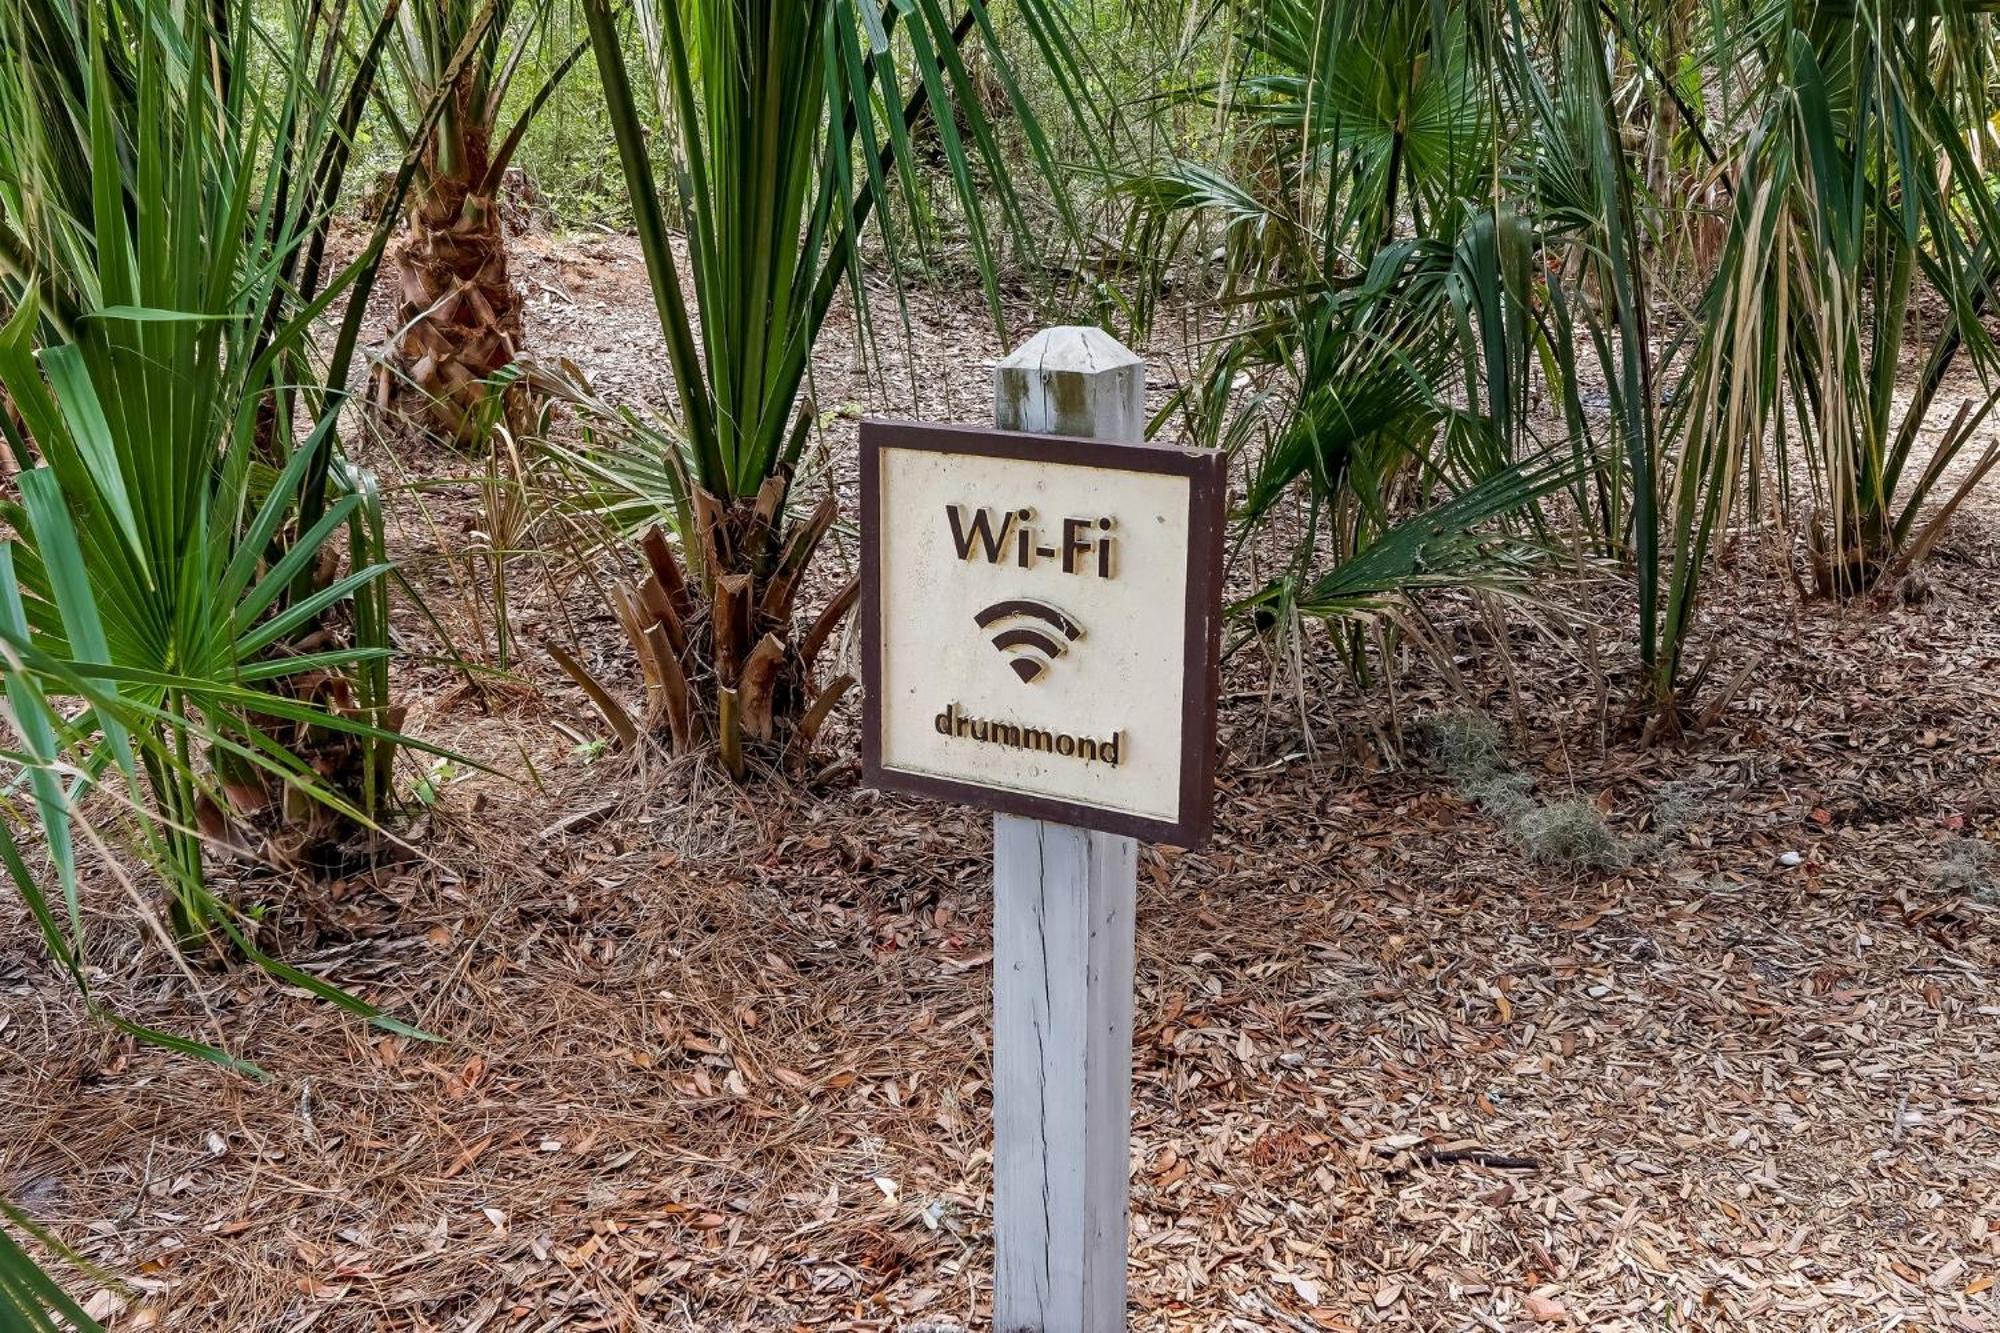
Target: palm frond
(167, 566)
(1454, 544)
(793, 125)
(30, 1300)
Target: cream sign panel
(1041, 624)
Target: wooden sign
(1040, 625)
(1041, 607)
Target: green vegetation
(30, 1300)
(173, 613)
(1486, 302)
(1859, 166)
(793, 130)
(1431, 220)
(1381, 277)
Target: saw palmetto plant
(1578, 178)
(191, 623)
(790, 135)
(458, 319)
(1838, 156)
(1580, 164)
(1379, 278)
(1862, 166)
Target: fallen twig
(1455, 1156)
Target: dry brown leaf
(1545, 1309)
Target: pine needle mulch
(719, 1061)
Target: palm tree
(790, 130)
(174, 611)
(1860, 161)
(1377, 261)
(1843, 146)
(458, 319)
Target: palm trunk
(729, 662)
(13, 428)
(458, 320)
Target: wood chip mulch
(719, 1061)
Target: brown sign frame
(1206, 471)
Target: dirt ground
(718, 1059)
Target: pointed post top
(1083, 348)
(1072, 380)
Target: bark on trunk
(457, 318)
(720, 646)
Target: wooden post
(1063, 918)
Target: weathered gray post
(1062, 956)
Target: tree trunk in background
(10, 466)
(457, 320)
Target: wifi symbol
(1032, 650)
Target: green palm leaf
(791, 126)
(165, 546)
(30, 1300)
